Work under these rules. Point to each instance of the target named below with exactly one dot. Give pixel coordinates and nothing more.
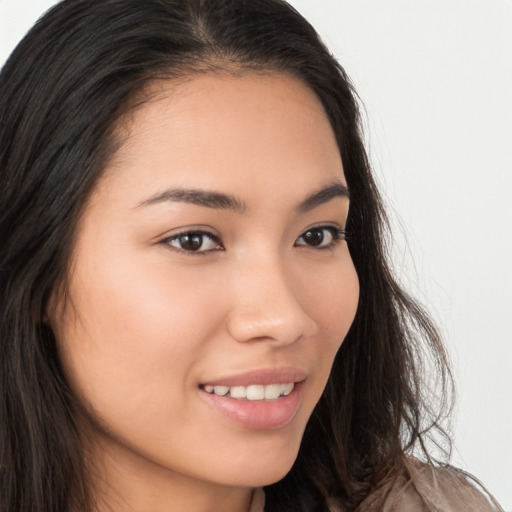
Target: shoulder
(425, 488)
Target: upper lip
(262, 377)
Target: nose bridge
(265, 305)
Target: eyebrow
(222, 201)
(208, 199)
(324, 195)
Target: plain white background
(436, 80)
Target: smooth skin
(152, 313)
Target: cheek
(132, 333)
(332, 302)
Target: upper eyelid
(205, 230)
(324, 225)
(193, 232)
(328, 227)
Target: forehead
(217, 129)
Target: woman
(195, 297)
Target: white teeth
(272, 391)
(286, 389)
(238, 392)
(253, 391)
(220, 390)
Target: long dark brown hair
(63, 92)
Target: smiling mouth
(252, 392)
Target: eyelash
(338, 235)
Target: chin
(262, 465)
(255, 476)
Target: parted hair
(64, 91)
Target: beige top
(425, 488)
(422, 489)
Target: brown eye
(194, 241)
(320, 237)
(313, 237)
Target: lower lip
(258, 414)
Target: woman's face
(210, 286)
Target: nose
(266, 306)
